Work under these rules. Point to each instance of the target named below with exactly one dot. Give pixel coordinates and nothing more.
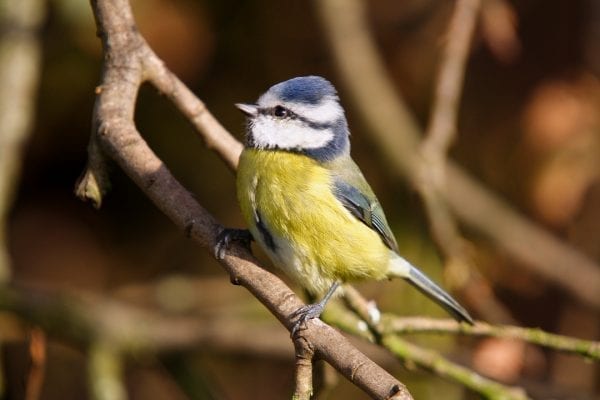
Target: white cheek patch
(268, 132)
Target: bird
(307, 203)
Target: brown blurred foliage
(529, 127)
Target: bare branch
(356, 57)
(442, 125)
(441, 366)
(586, 348)
(37, 368)
(128, 62)
(539, 250)
(304, 370)
(105, 373)
(440, 135)
(425, 358)
(20, 56)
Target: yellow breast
(314, 238)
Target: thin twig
(37, 368)
(303, 388)
(440, 134)
(425, 358)
(442, 124)
(441, 366)
(105, 372)
(586, 348)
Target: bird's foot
(229, 235)
(305, 314)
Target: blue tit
(308, 205)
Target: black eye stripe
(292, 115)
(278, 112)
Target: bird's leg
(311, 311)
(229, 235)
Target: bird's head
(301, 115)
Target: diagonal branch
(128, 62)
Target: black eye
(280, 112)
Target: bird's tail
(403, 269)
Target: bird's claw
(305, 314)
(229, 235)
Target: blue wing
(364, 205)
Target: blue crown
(304, 89)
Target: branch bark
(304, 370)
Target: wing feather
(366, 208)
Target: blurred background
(529, 128)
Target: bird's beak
(251, 110)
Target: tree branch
(105, 372)
(128, 62)
(20, 54)
(586, 348)
(304, 370)
(425, 358)
(442, 125)
(441, 132)
(37, 367)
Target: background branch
(397, 135)
(586, 348)
(106, 372)
(20, 55)
(441, 133)
(20, 59)
(442, 125)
